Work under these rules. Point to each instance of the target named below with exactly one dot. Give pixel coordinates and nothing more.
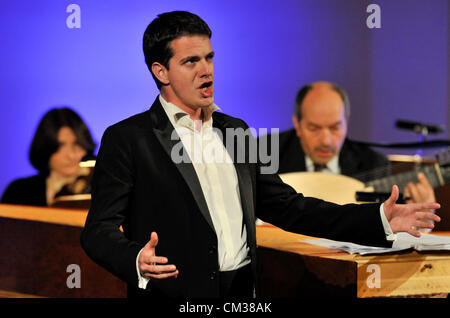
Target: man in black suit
(188, 221)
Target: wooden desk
(292, 268)
(37, 245)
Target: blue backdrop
(265, 51)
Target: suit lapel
(163, 130)
(348, 162)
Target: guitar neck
(436, 175)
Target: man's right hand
(150, 265)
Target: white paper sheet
(404, 241)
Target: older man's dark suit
(136, 184)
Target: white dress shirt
(331, 167)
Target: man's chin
(323, 160)
(206, 102)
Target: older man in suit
(319, 143)
(188, 221)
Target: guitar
(341, 189)
(334, 188)
(437, 174)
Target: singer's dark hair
(166, 28)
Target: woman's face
(65, 161)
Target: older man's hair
(304, 91)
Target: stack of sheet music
(404, 241)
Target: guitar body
(334, 188)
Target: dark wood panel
(34, 258)
(290, 275)
(443, 197)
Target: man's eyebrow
(337, 123)
(189, 58)
(196, 57)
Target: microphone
(419, 128)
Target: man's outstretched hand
(409, 217)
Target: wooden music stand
(76, 201)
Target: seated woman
(60, 143)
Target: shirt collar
(332, 166)
(180, 118)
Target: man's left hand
(409, 217)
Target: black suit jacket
(136, 184)
(355, 158)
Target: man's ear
(296, 125)
(160, 72)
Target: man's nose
(325, 137)
(207, 69)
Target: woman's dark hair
(45, 141)
(166, 28)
